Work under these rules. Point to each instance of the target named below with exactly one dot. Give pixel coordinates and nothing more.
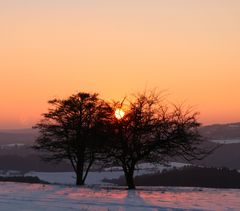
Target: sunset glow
(56, 48)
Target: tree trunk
(79, 179)
(129, 179)
(80, 171)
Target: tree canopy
(74, 129)
(152, 130)
(83, 129)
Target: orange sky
(54, 48)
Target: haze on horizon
(54, 48)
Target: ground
(99, 196)
(20, 196)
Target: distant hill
(15, 144)
(229, 131)
(18, 131)
(21, 136)
(227, 155)
(16, 154)
(31, 162)
(226, 132)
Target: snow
(20, 196)
(99, 196)
(160, 167)
(10, 173)
(224, 141)
(68, 178)
(6, 146)
(95, 178)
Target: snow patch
(230, 141)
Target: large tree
(74, 129)
(151, 130)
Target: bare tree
(74, 129)
(152, 131)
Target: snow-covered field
(36, 197)
(106, 197)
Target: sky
(54, 48)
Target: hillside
(16, 154)
(21, 136)
(221, 131)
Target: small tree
(151, 131)
(74, 129)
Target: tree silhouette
(153, 131)
(74, 129)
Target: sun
(119, 113)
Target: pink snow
(20, 196)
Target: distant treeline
(27, 179)
(31, 162)
(188, 176)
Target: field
(61, 194)
(20, 196)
